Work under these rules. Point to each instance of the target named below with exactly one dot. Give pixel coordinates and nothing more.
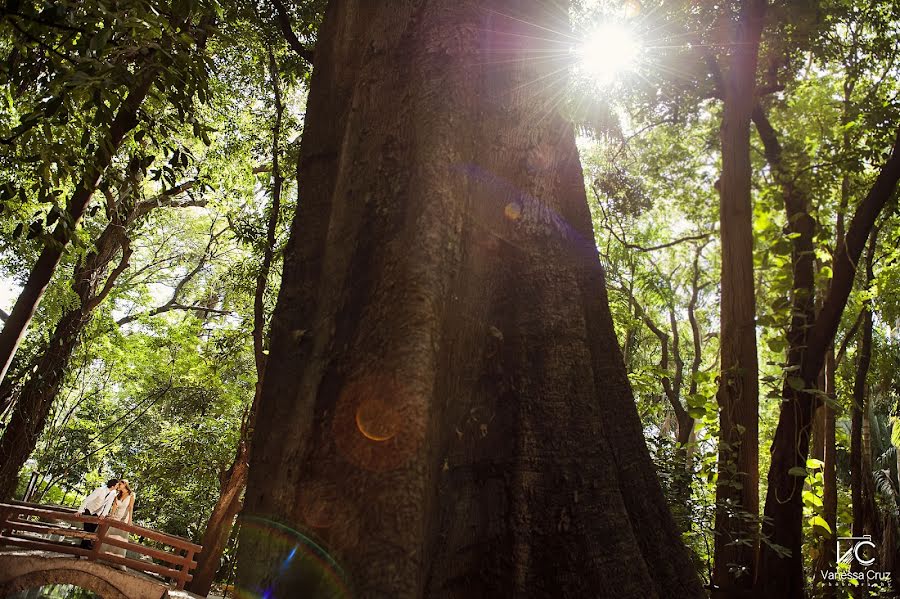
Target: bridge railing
(29, 525)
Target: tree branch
(173, 303)
(848, 337)
(284, 23)
(111, 279)
(166, 199)
(847, 256)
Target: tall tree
(445, 407)
(737, 487)
(811, 332)
(233, 480)
(781, 576)
(163, 59)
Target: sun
(607, 52)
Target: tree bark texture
(445, 411)
(737, 500)
(125, 120)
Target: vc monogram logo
(861, 549)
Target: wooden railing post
(102, 529)
(185, 569)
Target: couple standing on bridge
(115, 500)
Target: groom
(97, 503)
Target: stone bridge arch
(22, 570)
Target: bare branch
(174, 303)
(167, 199)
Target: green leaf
(797, 471)
(820, 522)
(811, 499)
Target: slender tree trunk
(827, 558)
(218, 526)
(125, 120)
(737, 500)
(234, 480)
(802, 227)
(445, 409)
(826, 430)
(862, 487)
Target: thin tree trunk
(125, 120)
(737, 495)
(827, 558)
(826, 430)
(862, 487)
(234, 480)
(802, 227)
(445, 408)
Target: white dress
(120, 511)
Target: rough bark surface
(445, 409)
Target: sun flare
(607, 52)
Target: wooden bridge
(34, 537)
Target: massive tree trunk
(737, 500)
(445, 411)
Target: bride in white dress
(121, 510)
